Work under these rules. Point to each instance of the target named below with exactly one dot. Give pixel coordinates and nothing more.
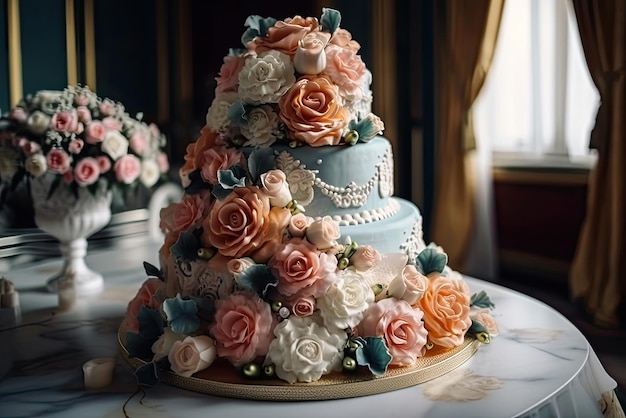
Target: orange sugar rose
(313, 112)
(244, 225)
(446, 306)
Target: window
(538, 104)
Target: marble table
(539, 366)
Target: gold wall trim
(163, 70)
(15, 52)
(537, 177)
(70, 43)
(90, 46)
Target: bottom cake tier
(222, 379)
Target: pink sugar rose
(243, 224)
(284, 35)
(191, 355)
(68, 177)
(301, 305)
(313, 112)
(138, 142)
(58, 161)
(343, 38)
(76, 146)
(227, 80)
(446, 306)
(107, 107)
(365, 257)
(94, 132)
(187, 214)
(127, 168)
(301, 269)
(243, 328)
(112, 124)
(147, 295)
(84, 115)
(81, 100)
(104, 163)
(87, 171)
(163, 162)
(237, 266)
(66, 121)
(30, 147)
(483, 316)
(218, 158)
(346, 69)
(401, 327)
(18, 114)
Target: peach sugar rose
(284, 35)
(242, 328)
(446, 306)
(244, 224)
(400, 325)
(313, 112)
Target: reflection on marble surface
(539, 365)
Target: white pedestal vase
(71, 219)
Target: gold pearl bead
(349, 363)
(205, 253)
(269, 370)
(251, 370)
(276, 305)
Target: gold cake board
(221, 379)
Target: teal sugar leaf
(374, 354)
(256, 26)
(237, 113)
(234, 177)
(206, 308)
(476, 328)
(220, 192)
(152, 271)
(147, 374)
(260, 161)
(150, 328)
(481, 300)
(186, 246)
(181, 314)
(366, 128)
(258, 279)
(330, 20)
(150, 323)
(196, 183)
(430, 260)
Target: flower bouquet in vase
(73, 149)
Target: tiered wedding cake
(288, 257)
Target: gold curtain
(598, 273)
(465, 39)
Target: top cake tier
(299, 81)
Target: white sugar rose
(264, 79)
(114, 144)
(192, 355)
(276, 188)
(409, 286)
(304, 351)
(310, 56)
(262, 127)
(343, 304)
(162, 347)
(150, 173)
(38, 122)
(36, 164)
(217, 115)
(298, 224)
(323, 233)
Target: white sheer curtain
(538, 100)
(537, 107)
